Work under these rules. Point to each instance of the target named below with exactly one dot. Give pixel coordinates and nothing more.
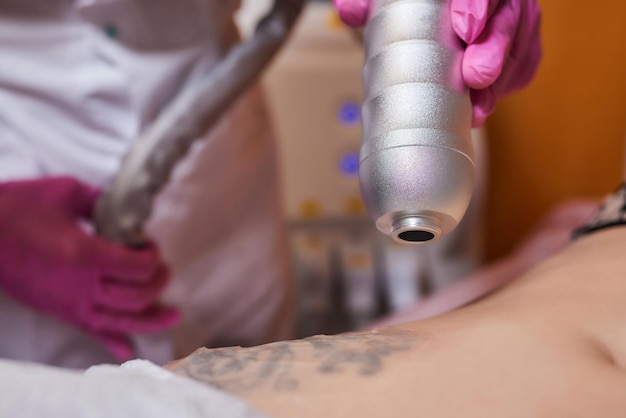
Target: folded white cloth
(136, 389)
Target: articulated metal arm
(123, 209)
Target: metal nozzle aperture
(415, 229)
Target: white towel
(136, 389)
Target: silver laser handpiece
(417, 169)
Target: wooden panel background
(563, 136)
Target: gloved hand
(50, 263)
(503, 45)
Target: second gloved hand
(49, 262)
(503, 45)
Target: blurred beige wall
(561, 137)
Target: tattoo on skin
(275, 366)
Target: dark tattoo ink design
(272, 366)
(365, 351)
(236, 369)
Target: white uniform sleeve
(64, 109)
(137, 389)
(16, 160)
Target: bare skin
(552, 344)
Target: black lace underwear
(611, 213)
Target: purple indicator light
(349, 164)
(349, 113)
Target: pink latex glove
(503, 45)
(49, 262)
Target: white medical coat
(72, 101)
